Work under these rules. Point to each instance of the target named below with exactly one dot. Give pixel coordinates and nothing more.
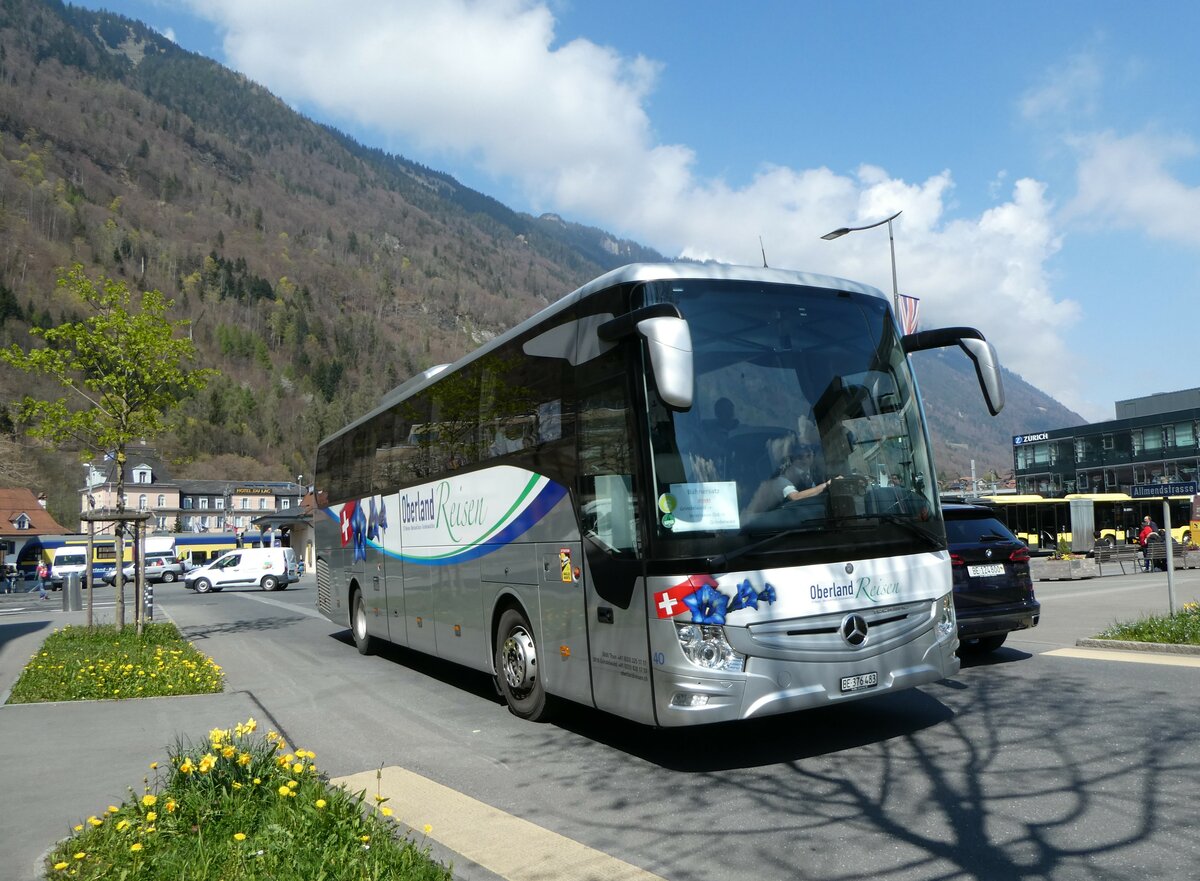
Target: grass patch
(241, 806)
(1181, 629)
(77, 664)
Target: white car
(268, 568)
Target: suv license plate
(857, 683)
(984, 571)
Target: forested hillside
(317, 273)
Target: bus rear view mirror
(669, 340)
(978, 349)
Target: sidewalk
(66, 761)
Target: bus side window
(607, 495)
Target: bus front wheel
(363, 641)
(517, 672)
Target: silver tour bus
(681, 494)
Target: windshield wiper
(904, 523)
(722, 559)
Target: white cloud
(489, 82)
(1123, 183)
(1069, 89)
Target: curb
(1129, 646)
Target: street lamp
(838, 233)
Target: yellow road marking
(509, 846)
(1127, 657)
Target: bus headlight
(947, 624)
(705, 646)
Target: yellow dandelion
(298, 767)
(320, 803)
(80, 855)
(79, 828)
(257, 780)
(151, 816)
(364, 838)
(379, 797)
(123, 825)
(58, 867)
(149, 800)
(95, 822)
(237, 785)
(386, 811)
(428, 828)
(171, 806)
(112, 809)
(136, 846)
(292, 784)
(239, 836)
(154, 766)
(283, 790)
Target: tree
(124, 367)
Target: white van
(268, 568)
(68, 560)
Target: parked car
(165, 567)
(268, 568)
(993, 591)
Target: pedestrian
(10, 578)
(43, 578)
(1146, 535)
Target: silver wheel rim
(518, 661)
(360, 621)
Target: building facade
(209, 505)
(1152, 440)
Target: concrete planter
(1043, 569)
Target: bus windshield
(804, 435)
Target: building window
(203, 502)
(262, 504)
(285, 504)
(187, 502)
(162, 501)
(245, 503)
(1184, 435)
(1153, 439)
(220, 505)
(143, 502)
(23, 522)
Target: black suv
(993, 593)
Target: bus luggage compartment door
(563, 625)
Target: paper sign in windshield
(705, 506)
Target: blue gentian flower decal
(359, 524)
(767, 595)
(708, 606)
(745, 598)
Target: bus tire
(203, 585)
(363, 641)
(982, 645)
(270, 582)
(517, 673)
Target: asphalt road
(1033, 764)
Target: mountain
(317, 272)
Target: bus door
(617, 622)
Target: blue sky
(1044, 154)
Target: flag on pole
(909, 307)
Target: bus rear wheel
(517, 673)
(363, 641)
